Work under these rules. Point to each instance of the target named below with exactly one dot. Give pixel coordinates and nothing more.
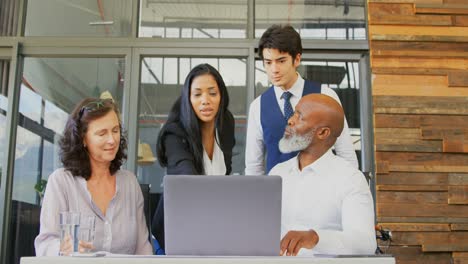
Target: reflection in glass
(26, 170)
(31, 103)
(54, 117)
(4, 72)
(161, 83)
(9, 17)
(193, 19)
(342, 77)
(103, 18)
(321, 19)
(49, 90)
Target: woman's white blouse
(217, 165)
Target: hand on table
(293, 241)
(66, 247)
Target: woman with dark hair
(92, 150)
(198, 136)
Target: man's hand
(293, 241)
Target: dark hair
(283, 38)
(73, 154)
(182, 113)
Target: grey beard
(294, 143)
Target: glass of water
(69, 228)
(87, 232)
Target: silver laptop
(222, 215)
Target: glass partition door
(49, 89)
(161, 82)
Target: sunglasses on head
(95, 105)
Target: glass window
(193, 19)
(50, 89)
(326, 19)
(104, 18)
(161, 82)
(342, 77)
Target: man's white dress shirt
(254, 147)
(332, 198)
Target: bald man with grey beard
(327, 205)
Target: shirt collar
(321, 164)
(296, 89)
(118, 182)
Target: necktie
(288, 111)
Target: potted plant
(40, 189)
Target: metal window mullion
(250, 78)
(250, 19)
(336, 45)
(367, 21)
(74, 52)
(367, 131)
(6, 181)
(135, 19)
(126, 93)
(330, 56)
(20, 28)
(133, 109)
(5, 53)
(366, 114)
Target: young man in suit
(280, 49)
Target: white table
(205, 260)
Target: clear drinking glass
(87, 231)
(69, 228)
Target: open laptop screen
(222, 215)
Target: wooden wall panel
(406, 219)
(415, 255)
(449, 9)
(412, 188)
(420, 105)
(422, 210)
(399, 37)
(379, 47)
(458, 194)
(390, 9)
(410, 30)
(461, 21)
(444, 132)
(458, 179)
(455, 145)
(420, 197)
(459, 227)
(419, 64)
(416, 178)
(455, 238)
(418, 121)
(408, 1)
(416, 62)
(411, 227)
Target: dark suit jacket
(180, 162)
